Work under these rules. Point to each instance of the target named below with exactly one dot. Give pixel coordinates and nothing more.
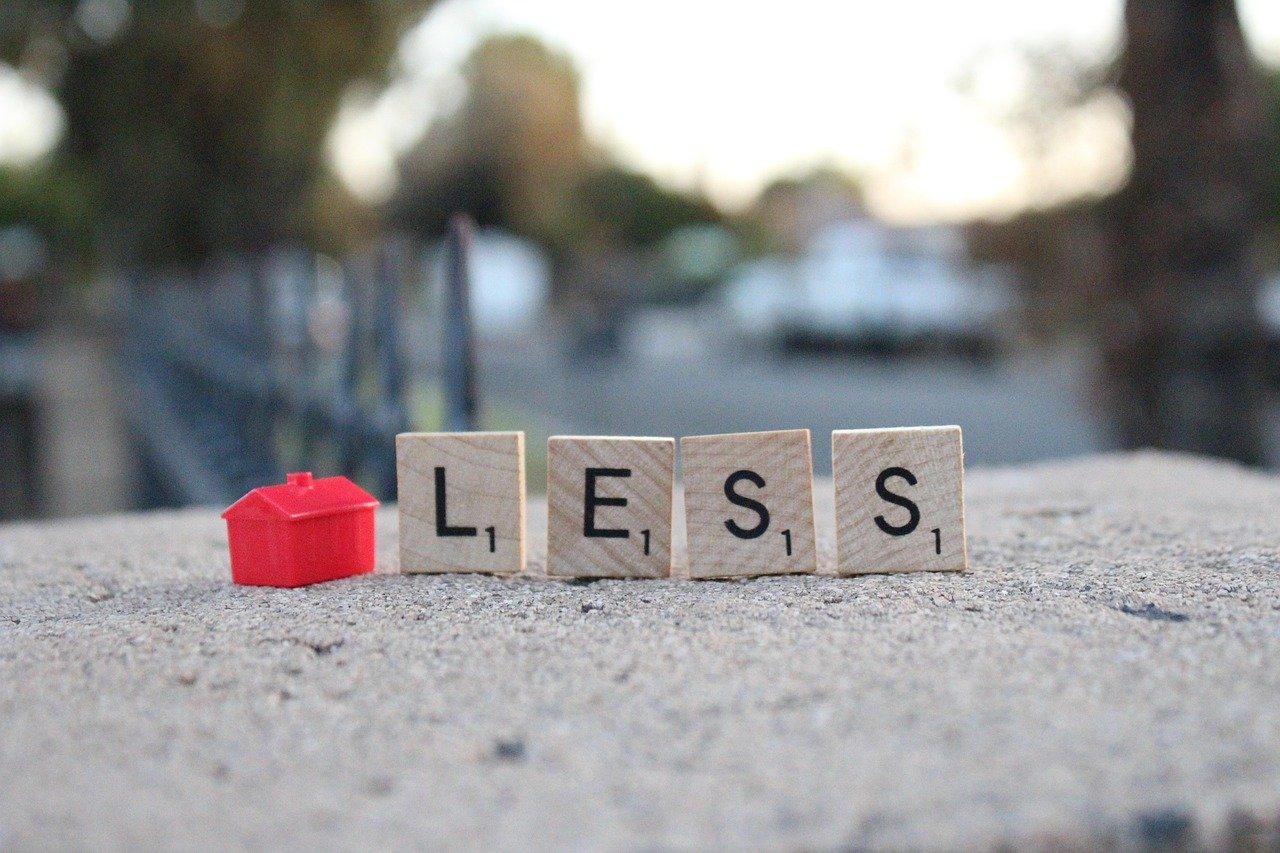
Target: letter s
(747, 503)
(906, 503)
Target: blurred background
(223, 226)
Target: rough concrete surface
(1108, 672)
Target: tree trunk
(1181, 340)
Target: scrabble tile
(899, 500)
(609, 506)
(461, 501)
(749, 503)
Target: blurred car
(861, 285)
(757, 296)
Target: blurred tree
(1058, 247)
(53, 201)
(790, 211)
(1059, 255)
(515, 155)
(639, 210)
(201, 124)
(511, 155)
(44, 207)
(1180, 334)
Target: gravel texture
(1108, 672)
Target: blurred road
(1018, 411)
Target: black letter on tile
(442, 523)
(747, 503)
(591, 500)
(906, 503)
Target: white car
(862, 284)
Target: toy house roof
(301, 497)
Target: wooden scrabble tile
(749, 503)
(609, 506)
(461, 501)
(899, 500)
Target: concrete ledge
(1109, 671)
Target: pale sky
(714, 94)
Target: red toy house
(301, 531)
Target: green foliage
(202, 123)
(53, 201)
(637, 209)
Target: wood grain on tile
(461, 501)
(609, 506)
(748, 503)
(899, 500)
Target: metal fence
(282, 363)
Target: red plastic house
(301, 531)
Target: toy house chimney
(299, 478)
